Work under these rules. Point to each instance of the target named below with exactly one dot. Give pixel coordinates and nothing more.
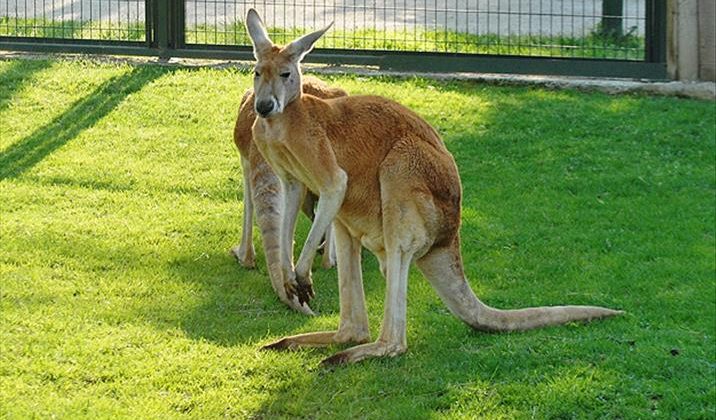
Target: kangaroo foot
(245, 255)
(364, 351)
(317, 339)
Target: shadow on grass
(238, 305)
(219, 194)
(16, 75)
(82, 115)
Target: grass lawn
(118, 206)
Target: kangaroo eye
(257, 74)
(285, 74)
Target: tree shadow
(16, 75)
(237, 305)
(124, 186)
(83, 114)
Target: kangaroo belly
(368, 230)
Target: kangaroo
(388, 183)
(262, 193)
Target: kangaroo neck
(277, 126)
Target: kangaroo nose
(264, 107)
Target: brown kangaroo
(387, 181)
(262, 194)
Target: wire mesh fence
(115, 20)
(602, 29)
(551, 28)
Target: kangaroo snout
(264, 107)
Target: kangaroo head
(277, 75)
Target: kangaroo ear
(257, 31)
(303, 45)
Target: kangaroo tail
(444, 270)
(267, 202)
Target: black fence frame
(165, 38)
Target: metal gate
(605, 38)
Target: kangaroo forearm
(291, 192)
(329, 203)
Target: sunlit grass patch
(119, 192)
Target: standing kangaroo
(386, 177)
(262, 191)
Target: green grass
(629, 47)
(119, 299)
(72, 29)
(446, 41)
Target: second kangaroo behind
(391, 185)
(262, 194)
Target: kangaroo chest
(272, 143)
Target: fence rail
(591, 37)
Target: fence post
(655, 31)
(149, 23)
(161, 27)
(178, 24)
(612, 18)
(167, 25)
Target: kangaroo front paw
(290, 285)
(299, 286)
(298, 307)
(304, 288)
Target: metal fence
(586, 37)
(123, 20)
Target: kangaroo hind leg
(392, 340)
(244, 252)
(406, 212)
(353, 327)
